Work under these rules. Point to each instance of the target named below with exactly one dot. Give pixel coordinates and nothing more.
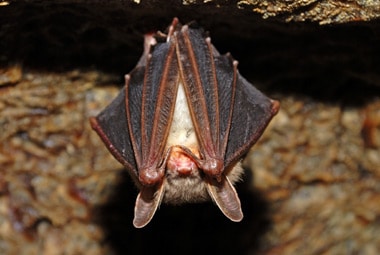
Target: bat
(183, 122)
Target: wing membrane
(201, 95)
(252, 112)
(108, 123)
(149, 122)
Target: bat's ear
(147, 203)
(226, 198)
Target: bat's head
(186, 182)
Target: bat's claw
(150, 176)
(275, 106)
(213, 168)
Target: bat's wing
(244, 113)
(150, 102)
(210, 87)
(136, 124)
(252, 111)
(111, 125)
(199, 78)
(228, 113)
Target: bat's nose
(184, 170)
(180, 164)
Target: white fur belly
(182, 129)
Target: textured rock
(323, 186)
(324, 11)
(49, 179)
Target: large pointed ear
(147, 203)
(226, 197)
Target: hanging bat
(182, 123)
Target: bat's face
(185, 182)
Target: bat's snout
(180, 164)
